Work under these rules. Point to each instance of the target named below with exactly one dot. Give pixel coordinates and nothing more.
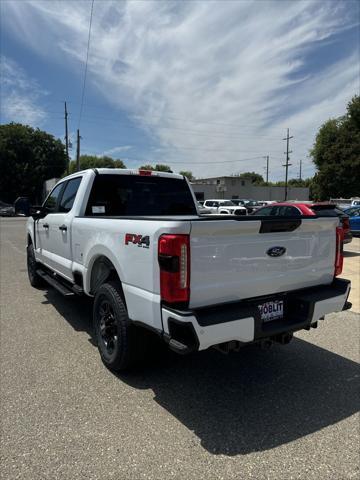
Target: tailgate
(231, 260)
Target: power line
(185, 120)
(181, 119)
(189, 162)
(92, 119)
(86, 64)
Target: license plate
(271, 310)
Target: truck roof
(130, 171)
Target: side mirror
(37, 211)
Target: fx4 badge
(139, 240)
(276, 251)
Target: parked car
(263, 203)
(22, 206)
(224, 207)
(202, 210)
(250, 205)
(354, 219)
(133, 240)
(6, 210)
(297, 209)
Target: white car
(134, 241)
(226, 207)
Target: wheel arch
(101, 269)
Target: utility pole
(66, 140)
(287, 164)
(78, 151)
(267, 168)
(300, 170)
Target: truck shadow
(77, 311)
(244, 402)
(349, 253)
(253, 400)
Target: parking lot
(287, 413)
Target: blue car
(354, 219)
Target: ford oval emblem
(276, 251)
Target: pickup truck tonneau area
(135, 242)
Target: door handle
(63, 228)
(45, 225)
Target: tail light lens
(174, 262)
(339, 258)
(145, 173)
(346, 224)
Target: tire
(121, 344)
(32, 265)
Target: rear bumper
(201, 328)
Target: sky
(205, 86)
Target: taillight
(174, 262)
(339, 258)
(345, 224)
(145, 173)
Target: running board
(65, 290)
(178, 347)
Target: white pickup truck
(134, 241)
(226, 207)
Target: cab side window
(69, 195)
(51, 203)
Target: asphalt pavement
(287, 413)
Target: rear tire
(121, 344)
(32, 265)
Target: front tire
(119, 341)
(32, 265)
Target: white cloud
(117, 150)
(19, 95)
(210, 81)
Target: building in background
(237, 187)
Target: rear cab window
(134, 195)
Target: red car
(297, 209)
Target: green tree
(255, 178)
(187, 174)
(159, 167)
(93, 161)
(296, 182)
(28, 157)
(162, 168)
(336, 155)
(146, 167)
